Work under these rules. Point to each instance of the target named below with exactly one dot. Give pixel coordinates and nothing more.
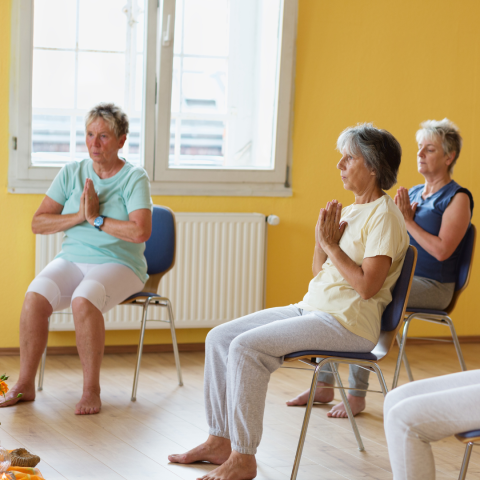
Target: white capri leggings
(104, 285)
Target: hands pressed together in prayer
(402, 201)
(89, 203)
(329, 229)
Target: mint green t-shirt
(125, 192)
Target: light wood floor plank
(129, 440)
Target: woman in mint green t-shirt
(103, 206)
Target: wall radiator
(219, 273)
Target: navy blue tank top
(429, 217)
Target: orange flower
(3, 387)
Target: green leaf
(20, 395)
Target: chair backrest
(160, 247)
(392, 317)
(393, 314)
(465, 263)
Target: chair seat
(141, 295)
(326, 353)
(472, 435)
(427, 311)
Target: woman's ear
(450, 158)
(121, 141)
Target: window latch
(14, 143)
(166, 33)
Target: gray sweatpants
(426, 411)
(241, 355)
(425, 293)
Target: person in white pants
(103, 206)
(426, 411)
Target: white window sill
(176, 188)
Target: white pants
(426, 411)
(104, 285)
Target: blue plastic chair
(160, 256)
(440, 317)
(391, 322)
(471, 438)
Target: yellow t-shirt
(375, 228)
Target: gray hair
(113, 115)
(380, 150)
(448, 134)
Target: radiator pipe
(269, 220)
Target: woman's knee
(89, 293)
(81, 307)
(37, 303)
(219, 336)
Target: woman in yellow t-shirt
(359, 253)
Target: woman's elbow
(35, 228)
(442, 255)
(368, 293)
(142, 237)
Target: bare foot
(215, 450)
(322, 395)
(27, 391)
(237, 467)
(357, 404)
(89, 404)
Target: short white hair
(445, 131)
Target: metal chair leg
(406, 363)
(306, 419)
(407, 366)
(41, 370)
(401, 351)
(466, 460)
(453, 332)
(351, 418)
(381, 379)
(140, 350)
(174, 341)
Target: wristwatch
(98, 222)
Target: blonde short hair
(448, 134)
(113, 115)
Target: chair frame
(470, 441)
(151, 298)
(383, 347)
(439, 319)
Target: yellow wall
(393, 63)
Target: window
(207, 86)
(94, 54)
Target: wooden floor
(131, 440)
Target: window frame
(23, 177)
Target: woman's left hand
(402, 200)
(92, 205)
(329, 229)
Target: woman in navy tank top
(437, 215)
